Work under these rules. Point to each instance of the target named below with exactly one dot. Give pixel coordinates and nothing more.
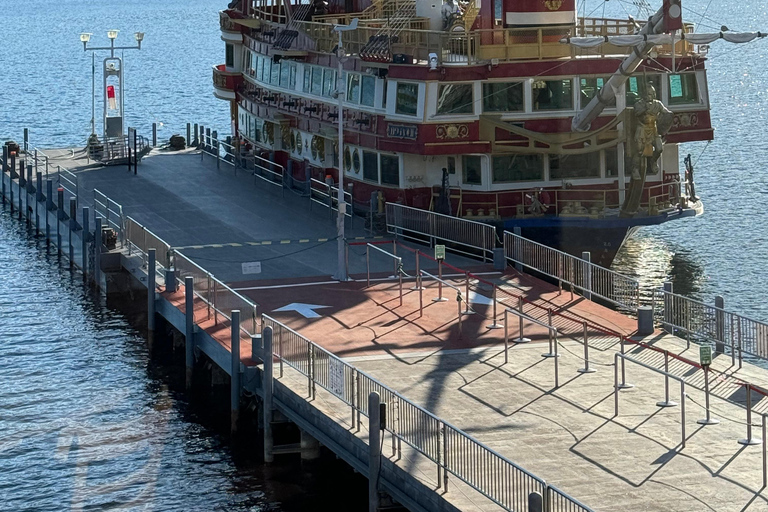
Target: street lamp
(341, 273)
(113, 66)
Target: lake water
(83, 407)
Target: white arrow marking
(476, 298)
(305, 310)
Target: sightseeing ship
(517, 113)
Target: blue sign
(403, 131)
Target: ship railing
(139, 240)
(593, 280)
(327, 195)
(111, 211)
(459, 235)
(697, 321)
(452, 451)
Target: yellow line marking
(285, 242)
(266, 243)
(254, 243)
(217, 246)
(304, 241)
(322, 239)
(235, 245)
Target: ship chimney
(526, 13)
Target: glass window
(285, 74)
(292, 80)
(503, 97)
(353, 88)
(455, 99)
(611, 162)
(329, 82)
(407, 99)
(553, 94)
(368, 91)
(472, 171)
(317, 81)
(307, 79)
(683, 89)
(370, 166)
(267, 69)
(260, 68)
(636, 87)
(230, 58)
(275, 76)
(588, 90)
(390, 170)
(586, 165)
(517, 168)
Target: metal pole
(268, 384)
(506, 336)
(342, 210)
(682, 411)
(400, 277)
(458, 300)
(557, 364)
(615, 385)
(765, 456)
(624, 384)
(439, 297)
(467, 311)
(235, 372)
(522, 338)
(551, 352)
(374, 447)
(151, 259)
(368, 265)
(494, 325)
(417, 286)
(749, 440)
(86, 234)
(189, 338)
(667, 402)
(97, 253)
(708, 420)
(586, 368)
(154, 134)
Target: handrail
(329, 197)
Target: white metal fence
(588, 277)
(111, 211)
(459, 235)
(453, 451)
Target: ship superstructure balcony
(226, 83)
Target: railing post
(268, 385)
(667, 402)
(467, 310)
(85, 239)
(458, 300)
(417, 286)
(719, 325)
(439, 297)
(708, 420)
(587, 274)
(151, 283)
(682, 412)
(765, 455)
(235, 371)
(400, 277)
(667, 323)
(551, 352)
(516, 249)
(749, 441)
(368, 265)
(189, 333)
(616, 358)
(495, 324)
(586, 368)
(506, 336)
(521, 338)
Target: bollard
(624, 384)
(170, 280)
(85, 239)
(495, 324)
(551, 352)
(586, 368)
(439, 297)
(154, 134)
(708, 420)
(467, 310)
(749, 441)
(151, 283)
(644, 320)
(374, 447)
(587, 269)
(97, 253)
(522, 338)
(268, 384)
(535, 502)
(189, 332)
(667, 402)
(235, 372)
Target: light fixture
(85, 37)
(112, 34)
(139, 36)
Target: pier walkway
(538, 412)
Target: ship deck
(567, 435)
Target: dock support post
(151, 261)
(38, 198)
(189, 331)
(189, 135)
(235, 372)
(374, 446)
(97, 253)
(85, 236)
(196, 141)
(268, 386)
(11, 190)
(154, 134)
(72, 223)
(720, 325)
(587, 274)
(667, 308)
(518, 265)
(48, 207)
(310, 447)
(26, 139)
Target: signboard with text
(439, 252)
(402, 131)
(705, 355)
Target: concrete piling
(374, 447)
(235, 372)
(151, 282)
(189, 290)
(268, 387)
(72, 224)
(97, 253)
(85, 239)
(48, 207)
(38, 197)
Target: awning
(661, 39)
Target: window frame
(398, 109)
(470, 103)
(521, 83)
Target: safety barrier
(398, 261)
(143, 239)
(327, 195)
(453, 451)
(462, 236)
(111, 211)
(68, 181)
(592, 279)
(711, 324)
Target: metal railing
(111, 211)
(68, 181)
(462, 235)
(706, 323)
(327, 196)
(453, 451)
(142, 239)
(592, 279)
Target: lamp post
(108, 71)
(341, 273)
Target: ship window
(683, 89)
(611, 162)
(553, 94)
(586, 165)
(390, 170)
(260, 68)
(317, 81)
(472, 170)
(368, 91)
(589, 88)
(292, 79)
(503, 97)
(329, 77)
(267, 69)
(285, 74)
(636, 87)
(275, 76)
(353, 88)
(455, 99)
(230, 56)
(307, 79)
(384, 97)
(517, 168)
(407, 99)
(370, 166)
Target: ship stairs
(470, 15)
(286, 37)
(398, 16)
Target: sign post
(705, 358)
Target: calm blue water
(81, 405)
